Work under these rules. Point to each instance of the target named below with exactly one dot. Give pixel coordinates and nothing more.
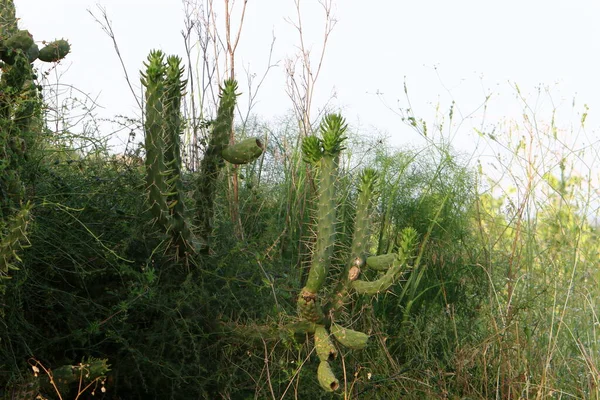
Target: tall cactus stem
(154, 82)
(174, 88)
(324, 154)
(206, 184)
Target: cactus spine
(323, 153)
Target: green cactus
(325, 349)
(20, 106)
(206, 183)
(323, 153)
(349, 338)
(184, 239)
(243, 152)
(54, 51)
(165, 86)
(327, 378)
(153, 81)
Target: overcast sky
(461, 50)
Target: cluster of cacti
(15, 42)
(20, 124)
(163, 125)
(321, 314)
(19, 102)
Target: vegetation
(310, 265)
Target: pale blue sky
(478, 47)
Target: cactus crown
(368, 181)
(155, 68)
(333, 128)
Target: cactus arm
(324, 347)
(407, 243)
(54, 51)
(350, 338)
(326, 377)
(8, 18)
(360, 238)
(381, 262)
(180, 230)
(243, 152)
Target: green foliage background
(500, 303)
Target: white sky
(479, 47)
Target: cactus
(165, 192)
(165, 86)
(206, 183)
(153, 81)
(323, 154)
(243, 152)
(54, 51)
(20, 106)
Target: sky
(462, 51)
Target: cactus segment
(349, 338)
(8, 18)
(408, 238)
(243, 152)
(55, 51)
(327, 379)
(362, 224)
(323, 344)
(380, 285)
(360, 239)
(309, 307)
(382, 262)
(66, 375)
